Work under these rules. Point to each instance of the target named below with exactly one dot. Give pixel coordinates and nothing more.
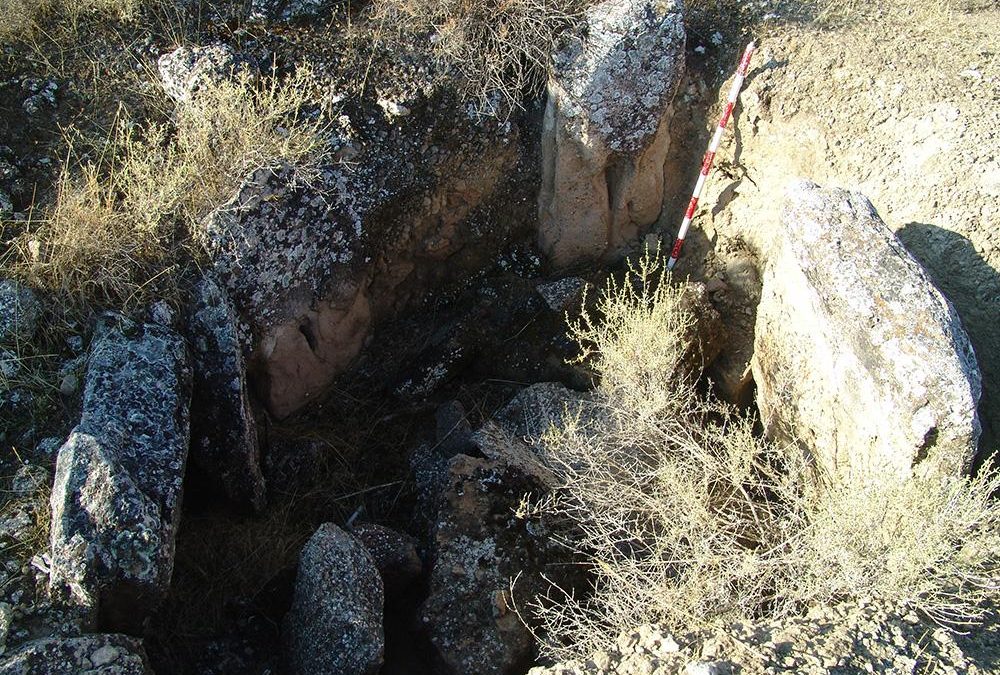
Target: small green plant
(688, 518)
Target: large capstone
(117, 492)
(335, 624)
(606, 133)
(91, 654)
(857, 356)
(224, 440)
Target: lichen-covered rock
(537, 407)
(606, 128)
(480, 545)
(97, 654)
(334, 626)
(187, 69)
(856, 354)
(312, 265)
(20, 310)
(395, 556)
(117, 492)
(224, 440)
(286, 254)
(288, 10)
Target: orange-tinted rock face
(314, 265)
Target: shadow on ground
(973, 287)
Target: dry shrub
(124, 217)
(930, 541)
(690, 519)
(33, 503)
(496, 47)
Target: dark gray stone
(90, 654)
(335, 624)
(224, 440)
(20, 311)
(480, 545)
(117, 492)
(395, 555)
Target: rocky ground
(313, 457)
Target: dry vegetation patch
(126, 215)
(497, 47)
(690, 519)
(22, 18)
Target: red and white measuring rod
(706, 164)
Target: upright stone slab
(117, 492)
(224, 442)
(605, 133)
(857, 355)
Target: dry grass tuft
(496, 47)
(34, 505)
(690, 519)
(125, 217)
(21, 18)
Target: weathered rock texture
(117, 492)
(335, 624)
(289, 10)
(480, 544)
(844, 638)
(90, 654)
(19, 312)
(312, 267)
(606, 128)
(856, 353)
(394, 554)
(285, 254)
(187, 69)
(224, 441)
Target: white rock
(857, 355)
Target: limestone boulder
(857, 356)
(116, 497)
(334, 626)
(605, 132)
(97, 654)
(224, 439)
